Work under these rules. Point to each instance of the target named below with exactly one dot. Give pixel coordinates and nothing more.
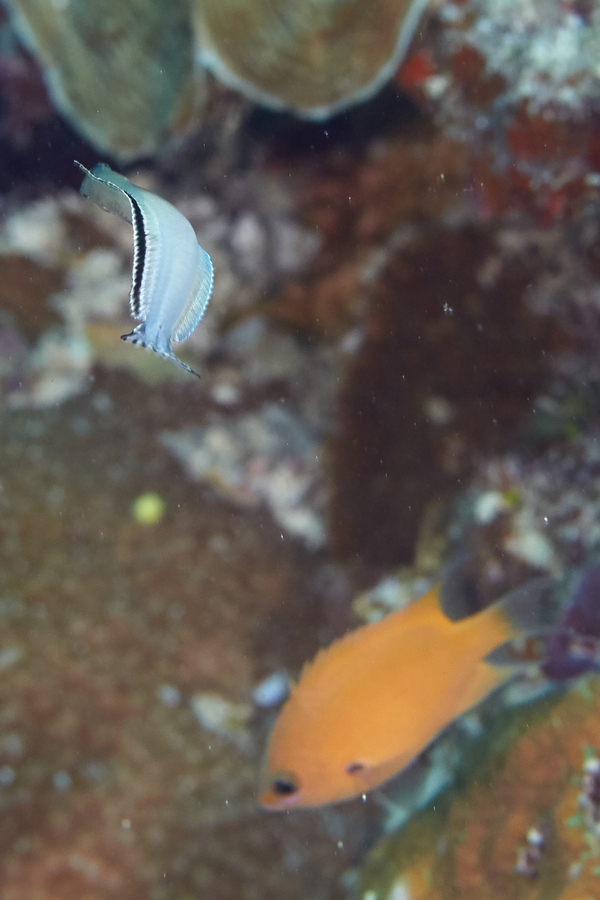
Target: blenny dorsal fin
(198, 299)
(105, 192)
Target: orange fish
(372, 701)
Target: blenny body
(172, 275)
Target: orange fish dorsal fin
(322, 656)
(426, 610)
(430, 604)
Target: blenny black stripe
(139, 256)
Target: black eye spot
(284, 786)
(354, 768)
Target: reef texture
(518, 81)
(130, 742)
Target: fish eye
(284, 784)
(354, 768)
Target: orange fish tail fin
(525, 613)
(528, 610)
(528, 613)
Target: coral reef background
(399, 361)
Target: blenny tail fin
(138, 337)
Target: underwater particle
(220, 716)
(120, 73)
(271, 690)
(148, 508)
(172, 276)
(7, 776)
(488, 505)
(61, 781)
(169, 695)
(312, 59)
(9, 656)
(532, 547)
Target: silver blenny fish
(172, 275)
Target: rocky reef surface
(525, 826)
(399, 365)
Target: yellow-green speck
(148, 508)
(512, 496)
(571, 430)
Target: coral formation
(525, 826)
(89, 51)
(399, 361)
(311, 58)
